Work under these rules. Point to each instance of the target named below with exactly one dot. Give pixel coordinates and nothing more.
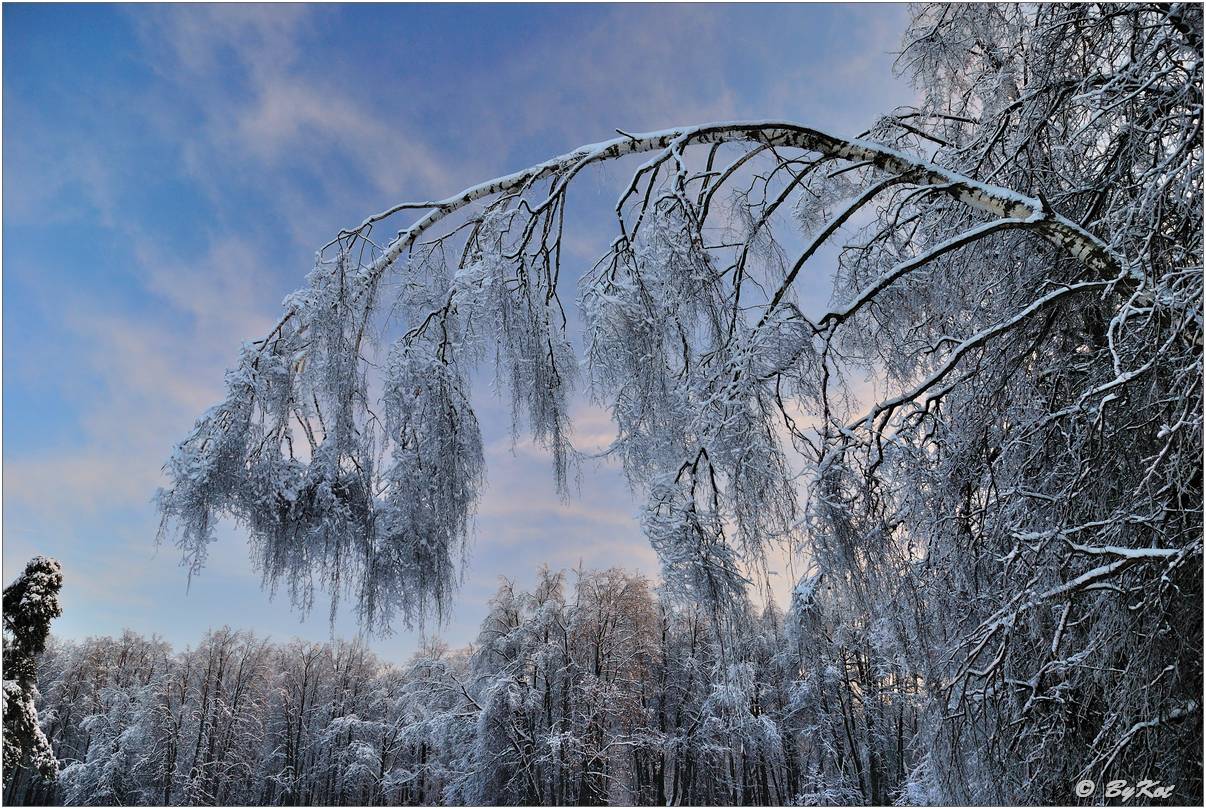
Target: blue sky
(170, 170)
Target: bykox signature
(1124, 790)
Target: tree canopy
(1015, 516)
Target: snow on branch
(684, 344)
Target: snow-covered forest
(983, 448)
(587, 690)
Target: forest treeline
(589, 689)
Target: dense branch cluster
(1045, 496)
(1014, 518)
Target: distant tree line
(589, 689)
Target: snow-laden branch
(991, 199)
(1019, 517)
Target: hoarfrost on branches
(1006, 539)
(685, 344)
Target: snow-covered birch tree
(1016, 262)
(378, 503)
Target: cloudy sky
(170, 170)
